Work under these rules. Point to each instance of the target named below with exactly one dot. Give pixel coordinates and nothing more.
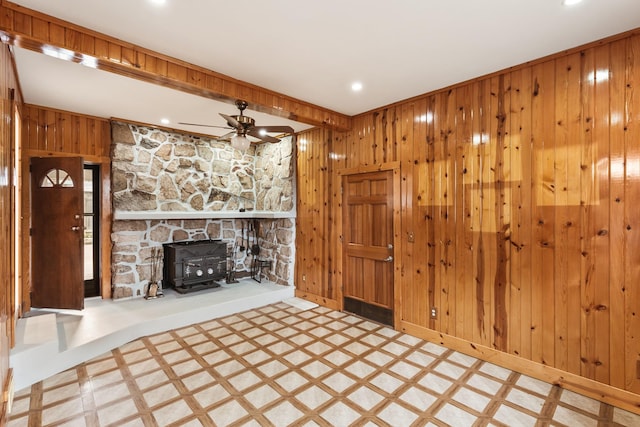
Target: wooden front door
(57, 232)
(368, 245)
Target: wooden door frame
(106, 215)
(397, 224)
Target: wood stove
(194, 265)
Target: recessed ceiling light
(570, 2)
(165, 121)
(158, 2)
(356, 86)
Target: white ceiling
(310, 50)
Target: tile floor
(280, 365)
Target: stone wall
(155, 171)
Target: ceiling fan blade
(206, 126)
(230, 120)
(275, 129)
(266, 138)
(226, 136)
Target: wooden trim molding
(7, 398)
(33, 30)
(86, 157)
(389, 166)
(594, 389)
(318, 299)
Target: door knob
(390, 246)
(388, 259)
(75, 228)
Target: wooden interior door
(57, 232)
(368, 245)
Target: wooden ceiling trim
(36, 31)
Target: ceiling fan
(244, 126)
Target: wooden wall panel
(415, 300)
(617, 87)
(465, 162)
(601, 231)
(315, 263)
(10, 98)
(571, 231)
(55, 131)
(425, 232)
(520, 237)
(406, 149)
(631, 122)
(518, 213)
(486, 243)
(49, 132)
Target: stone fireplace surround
(169, 187)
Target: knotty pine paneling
(55, 131)
(631, 220)
(9, 95)
(617, 85)
(48, 132)
(315, 262)
(519, 191)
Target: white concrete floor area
(51, 341)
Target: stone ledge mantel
(144, 215)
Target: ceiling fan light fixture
(240, 142)
(241, 126)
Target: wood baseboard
(596, 390)
(318, 299)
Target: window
(91, 231)
(56, 178)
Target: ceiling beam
(42, 33)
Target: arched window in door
(56, 178)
